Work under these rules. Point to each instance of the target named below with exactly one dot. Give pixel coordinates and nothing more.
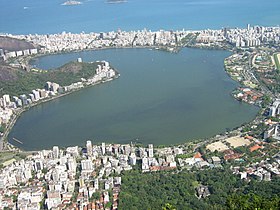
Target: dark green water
(160, 98)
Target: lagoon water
(160, 98)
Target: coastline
(19, 111)
(154, 47)
(192, 141)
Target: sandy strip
(237, 141)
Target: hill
(7, 73)
(179, 190)
(12, 44)
(14, 81)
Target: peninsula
(43, 86)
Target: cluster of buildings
(210, 36)
(274, 109)
(217, 153)
(274, 127)
(262, 171)
(52, 43)
(264, 168)
(247, 37)
(103, 72)
(263, 61)
(76, 178)
(9, 104)
(71, 42)
(63, 179)
(5, 114)
(164, 161)
(197, 161)
(239, 69)
(248, 95)
(91, 177)
(12, 54)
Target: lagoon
(160, 98)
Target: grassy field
(8, 157)
(277, 60)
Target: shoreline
(203, 141)
(19, 111)
(179, 47)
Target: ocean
(49, 16)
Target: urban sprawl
(90, 177)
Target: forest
(18, 82)
(177, 190)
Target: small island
(116, 1)
(68, 3)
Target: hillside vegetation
(15, 82)
(177, 190)
(11, 44)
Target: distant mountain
(11, 44)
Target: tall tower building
(103, 148)
(132, 159)
(72, 165)
(55, 175)
(150, 150)
(89, 148)
(7, 99)
(38, 165)
(55, 152)
(87, 165)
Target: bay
(160, 98)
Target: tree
(251, 201)
(168, 206)
(2, 129)
(266, 100)
(108, 205)
(96, 195)
(44, 170)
